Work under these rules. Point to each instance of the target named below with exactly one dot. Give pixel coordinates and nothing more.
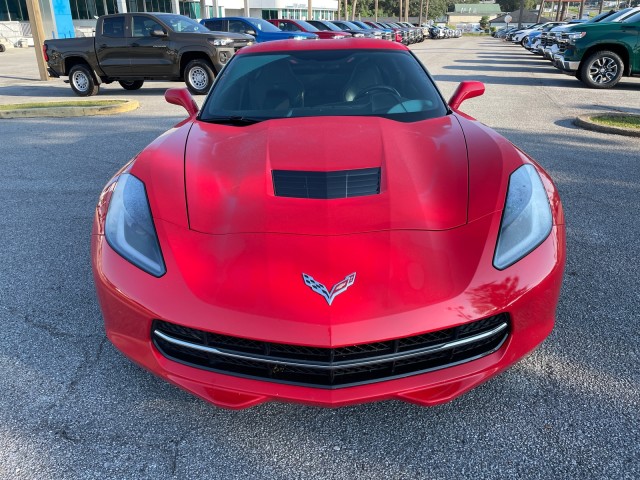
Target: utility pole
(203, 9)
(540, 11)
(400, 13)
(246, 8)
(406, 10)
(309, 11)
(376, 10)
(420, 16)
(37, 30)
(521, 13)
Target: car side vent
(326, 185)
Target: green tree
(484, 22)
(390, 8)
(513, 5)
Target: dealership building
(64, 18)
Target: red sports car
(328, 230)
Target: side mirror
(158, 33)
(465, 90)
(251, 31)
(182, 97)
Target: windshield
(351, 26)
(600, 17)
(307, 26)
(632, 19)
(619, 15)
(263, 25)
(362, 26)
(256, 87)
(180, 23)
(325, 26)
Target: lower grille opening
(330, 367)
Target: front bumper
(567, 66)
(528, 291)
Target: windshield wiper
(233, 120)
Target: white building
(322, 9)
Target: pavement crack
(176, 443)
(46, 327)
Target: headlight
(129, 228)
(526, 220)
(220, 42)
(299, 37)
(572, 37)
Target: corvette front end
(420, 265)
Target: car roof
(306, 45)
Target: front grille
(544, 39)
(330, 367)
(562, 47)
(326, 185)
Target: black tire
(601, 69)
(2, 48)
(198, 76)
(82, 81)
(131, 84)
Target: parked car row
(265, 30)
(599, 51)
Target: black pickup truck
(133, 47)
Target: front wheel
(131, 84)
(602, 69)
(198, 75)
(82, 81)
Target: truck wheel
(602, 69)
(198, 75)
(82, 82)
(131, 84)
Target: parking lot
(73, 407)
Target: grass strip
(616, 121)
(95, 103)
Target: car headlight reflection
(220, 42)
(129, 228)
(526, 220)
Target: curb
(585, 122)
(71, 111)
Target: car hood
(423, 175)
(595, 27)
(265, 36)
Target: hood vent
(326, 185)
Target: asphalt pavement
(71, 406)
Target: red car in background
(328, 230)
(287, 25)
